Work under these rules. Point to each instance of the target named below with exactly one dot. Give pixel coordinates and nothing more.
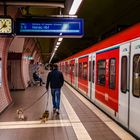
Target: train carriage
(83, 74)
(72, 72)
(108, 73)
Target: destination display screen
(49, 27)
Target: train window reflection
(112, 73)
(124, 74)
(73, 69)
(80, 70)
(85, 70)
(66, 68)
(136, 75)
(101, 72)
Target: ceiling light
(58, 43)
(56, 46)
(51, 57)
(60, 39)
(74, 7)
(55, 49)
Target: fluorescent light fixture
(58, 43)
(60, 39)
(56, 47)
(74, 7)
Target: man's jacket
(55, 78)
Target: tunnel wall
(5, 97)
(29, 49)
(19, 67)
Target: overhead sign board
(49, 27)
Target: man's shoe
(54, 109)
(57, 111)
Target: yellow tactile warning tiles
(124, 135)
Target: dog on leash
(20, 114)
(45, 116)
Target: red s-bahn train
(108, 73)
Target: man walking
(55, 79)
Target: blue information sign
(49, 27)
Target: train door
(68, 75)
(76, 72)
(134, 121)
(83, 74)
(89, 76)
(124, 84)
(66, 71)
(93, 76)
(72, 72)
(106, 86)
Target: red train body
(108, 73)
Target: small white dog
(20, 114)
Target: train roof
(128, 34)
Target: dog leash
(47, 101)
(25, 109)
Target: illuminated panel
(49, 27)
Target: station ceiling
(102, 18)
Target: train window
(89, 70)
(112, 73)
(85, 70)
(68, 66)
(73, 69)
(93, 72)
(68, 69)
(136, 75)
(101, 72)
(80, 70)
(65, 66)
(124, 74)
(62, 68)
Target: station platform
(78, 119)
